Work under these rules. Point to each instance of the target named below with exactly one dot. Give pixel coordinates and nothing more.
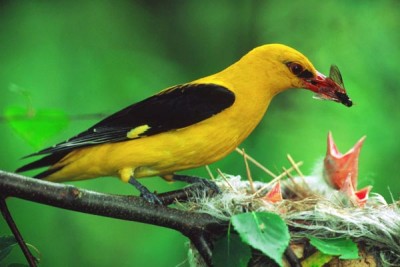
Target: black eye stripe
(306, 74)
(295, 68)
(299, 70)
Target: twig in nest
(210, 172)
(296, 168)
(301, 175)
(226, 180)
(248, 172)
(255, 162)
(277, 178)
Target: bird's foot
(145, 193)
(207, 184)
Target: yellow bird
(185, 126)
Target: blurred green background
(99, 56)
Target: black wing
(172, 109)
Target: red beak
(275, 194)
(338, 167)
(329, 88)
(358, 198)
(341, 171)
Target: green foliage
(7, 243)
(231, 251)
(36, 126)
(317, 259)
(17, 265)
(99, 56)
(264, 231)
(345, 248)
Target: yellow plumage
(254, 80)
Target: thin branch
(292, 258)
(129, 208)
(14, 229)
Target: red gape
(341, 171)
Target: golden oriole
(185, 126)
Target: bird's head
(293, 70)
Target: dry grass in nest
(310, 208)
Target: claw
(197, 180)
(151, 198)
(145, 193)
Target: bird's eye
(295, 68)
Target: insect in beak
(329, 88)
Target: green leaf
(345, 248)
(264, 231)
(316, 260)
(6, 245)
(231, 251)
(36, 127)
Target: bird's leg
(196, 180)
(144, 192)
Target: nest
(310, 208)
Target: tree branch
(130, 208)
(18, 237)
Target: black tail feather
(43, 162)
(47, 173)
